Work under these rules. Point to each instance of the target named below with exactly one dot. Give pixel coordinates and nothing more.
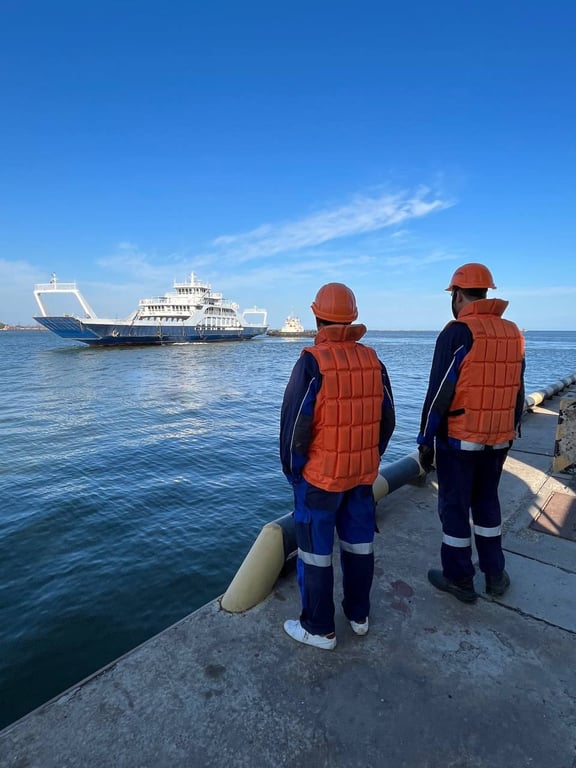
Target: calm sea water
(134, 481)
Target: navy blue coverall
(467, 479)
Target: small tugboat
(292, 328)
(191, 312)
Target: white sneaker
(360, 629)
(298, 633)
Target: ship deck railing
(58, 287)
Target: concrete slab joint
(558, 517)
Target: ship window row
(210, 305)
(210, 322)
(173, 308)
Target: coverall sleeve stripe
(450, 369)
(296, 420)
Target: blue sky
(272, 147)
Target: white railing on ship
(55, 287)
(162, 301)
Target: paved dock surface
(435, 684)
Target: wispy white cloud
(298, 250)
(128, 258)
(364, 214)
(18, 272)
(353, 241)
(543, 292)
(417, 260)
(401, 235)
(17, 279)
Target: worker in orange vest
(470, 417)
(336, 420)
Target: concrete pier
(434, 684)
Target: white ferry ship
(191, 312)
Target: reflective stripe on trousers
(453, 541)
(318, 515)
(468, 486)
(466, 445)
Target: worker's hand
(426, 453)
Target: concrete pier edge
(435, 683)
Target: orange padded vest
(489, 379)
(343, 451)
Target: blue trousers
(468, 486)
(317, 515)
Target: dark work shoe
(497, 585)
(462, 590)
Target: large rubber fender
(393, 476)
(257, 575)
(538, 397)
(276, 543)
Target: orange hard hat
(471, 276)
(336, 303)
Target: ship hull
(111, 334)
(293, 334)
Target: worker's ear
(456, 301)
